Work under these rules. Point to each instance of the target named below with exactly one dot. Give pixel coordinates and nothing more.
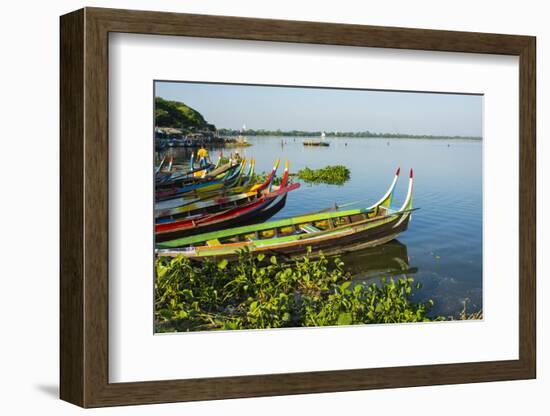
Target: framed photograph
(255, 207)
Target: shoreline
(472, 139)
(464, 138)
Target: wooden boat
(315, 143)
(180, 207)
(245, 186)
(320, 142)
(228, 179)
(168, 178)
(257, 209)
(329, 232)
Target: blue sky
(288, 108)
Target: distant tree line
(366, 133)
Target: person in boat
(202, 155)
(237, 156)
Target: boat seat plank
(255, 238)
(308, 229)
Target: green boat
(332, 233)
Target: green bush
(179, 115)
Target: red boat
(257, 210)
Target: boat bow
(385, 201)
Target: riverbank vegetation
(178, 115)
(259, 291)
(332, 175)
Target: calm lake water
(442, 247)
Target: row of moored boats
(217, 210)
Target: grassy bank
(259, 292)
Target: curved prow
(192, 161)
(250, 173)
(246, 177)
(251, 167)
(284, 182)
(159, 167)
(405, 211)
(219, 161)
(241, 169)
(170, 163)
(268, 180)
(234, 172)
(385, 201)
(407, 205)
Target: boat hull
(348, 240)
(256, 214)
(321, 144)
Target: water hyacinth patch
(260, 292)
(331, 175)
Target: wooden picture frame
(84, 207)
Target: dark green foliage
(260, 292)
(178, 115)
(332, 175)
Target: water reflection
(388, 260)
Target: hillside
(179, 115)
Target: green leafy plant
(258, 291)
(332, 175)
(261, 177)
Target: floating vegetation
(332, 175)
(257, 291)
